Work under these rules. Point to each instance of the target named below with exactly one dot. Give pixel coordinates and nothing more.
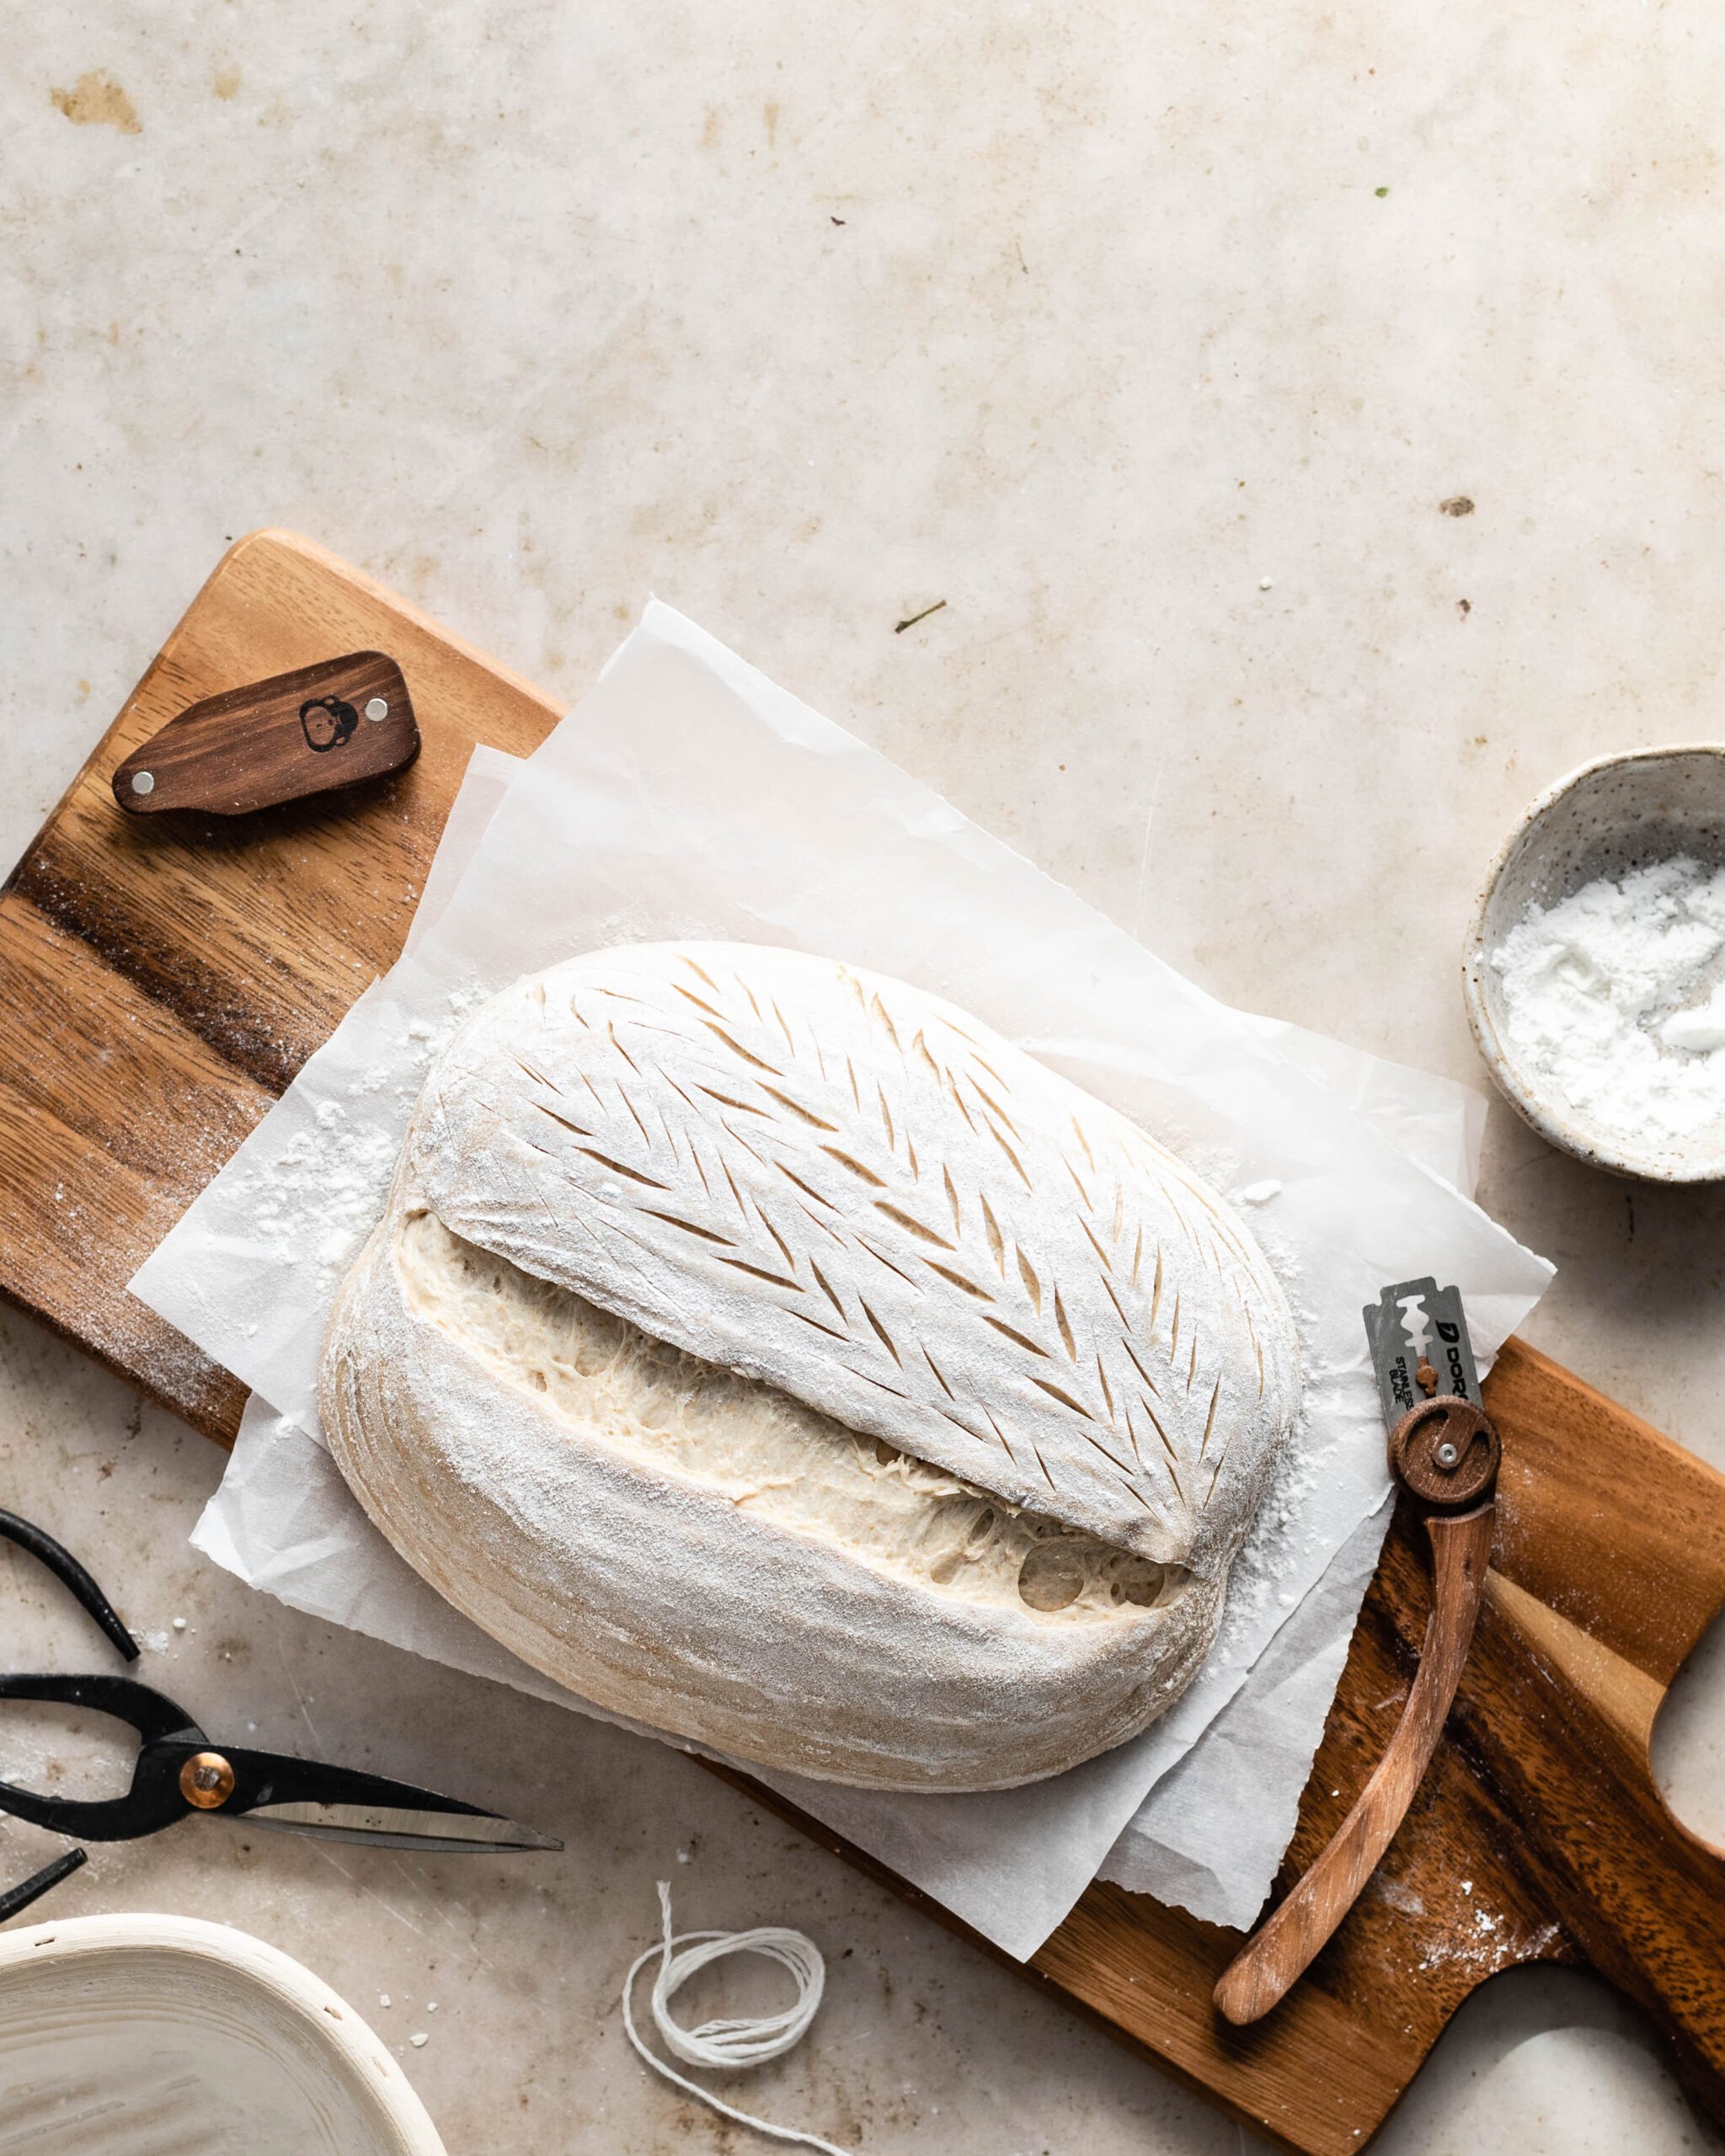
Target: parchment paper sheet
(688, 796)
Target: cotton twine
(729, 2043)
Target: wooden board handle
(1566, 1740)
(1262, 1972)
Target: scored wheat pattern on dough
(1000, 1266)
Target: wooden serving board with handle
(161, 978)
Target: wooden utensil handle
(309, 732)
(1268, 1964)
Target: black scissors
(180, 1774)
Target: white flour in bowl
(1614, 998)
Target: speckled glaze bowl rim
(1549, 1121)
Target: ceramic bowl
(1619, 814)
(135, 2036)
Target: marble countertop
(1309, 427)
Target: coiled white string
(729, 2043)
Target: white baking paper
(688, 796)
(1211, 1834)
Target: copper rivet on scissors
(206, 1780)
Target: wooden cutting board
(162, 980)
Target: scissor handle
(153, 1801)
(72, 1576)
(16, 1899)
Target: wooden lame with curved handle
(1274, 1957)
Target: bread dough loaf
(770, 1353)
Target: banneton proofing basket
(1619, 814)
(130, 2035)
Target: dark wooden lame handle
(1262, 1972)
(308, 731)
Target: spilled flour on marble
(1613, 998)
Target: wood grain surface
(164, 979)
(160, 986)
(318, 729)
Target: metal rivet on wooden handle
(1268, 1964)
(308, 731)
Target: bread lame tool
(309, 732)
(1443, 1454)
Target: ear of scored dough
(667, 1597)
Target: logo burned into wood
(245, 748)
(327, 722)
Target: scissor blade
(479, 1833)
(315, 1796)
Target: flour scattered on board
(1398, 1895)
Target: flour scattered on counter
(1259, 1193)
(1614, 998)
